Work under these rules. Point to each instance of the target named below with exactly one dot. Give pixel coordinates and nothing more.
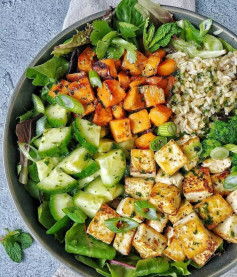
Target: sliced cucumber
(57, 203)
(85, 181)
(44, 215)
(57, 182)
(112, 166)
(45, 166)
(54, 142)
(98, 188)
(105, 145)
(88, 203)
(87, 133)
(56, 115)
(79, 163)
(129, 144)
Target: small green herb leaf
(13, 250)
(100, 29)
(25, 240)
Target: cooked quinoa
(203, 88)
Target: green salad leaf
(75, 214)
(79, 39)
(131, 48)
(182, 267)
(104, 43)
(77, 241)
(127, 30)
(227, 46)
(100, 29)
(121, 271)
(48, 72)
(152, 266)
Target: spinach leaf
(121, 271)
(152, 265)
(79, 39)
(32, 189)
(77, 241)
(100, 29)
(48, 72)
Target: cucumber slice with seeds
(57, 203)
(45, 166)
(85, 181)
(56, 115)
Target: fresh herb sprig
(14, 242)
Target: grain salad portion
(203, 88)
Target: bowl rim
(6, 131)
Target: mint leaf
(13, 250)
(25, 240)
(100, 29)
(103, 45)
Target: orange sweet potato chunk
(137, 81)
(60, 88)
(89, 108)
(133, 100)
(111, 93)
(105, 68)
(160, 114)
(139, 121)
(157, 80)
(75, 76)
(150, 66)
(118, 111)
(124, 80)
(166, 68)
(134, 68)
(86, 59)
(159, 53)
(143, 142)
(153, 95)
(120, 129)
(102, 116)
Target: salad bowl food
(127, 163)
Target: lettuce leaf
(79, 39)
(48, 72)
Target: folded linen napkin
(79, 9)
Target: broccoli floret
(207, 146)
(225, 132)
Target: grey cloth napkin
(79, 9)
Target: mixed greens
(98, 117)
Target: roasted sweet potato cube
(150, 66)
(138, 188)
(124, 80)
(137, 81)
(160, 114)
(148, 242)
(60, 88)
(120, 129)
(142, 163)
(97, 227)
(123, 241)
(111, 93)
(170, 84)
(102, 116)
(85, 59)
(133, 100)
(166, 67)
(89, 108)
(184, 210)
(218, 183)
(143, 142)
(166, 198)
(192, 235)
(158, 81)
(134, 68)
(153, 95)
(118, 64)
(159, 53)
(75, 76)
(82, 91)
(118, 111)
(213, 210)
(140, 121)
(197, 185)
(105, 68)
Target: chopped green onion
(70, 104)
(126, 224)
(167, 129)
(231, 148)
(219, 153)
(145, 209)
(41, 125)
(94, 79)
(26, 116)
(26, 149)
(38, 104)
(157, 143)
(230, 182)
(205, 26)
(63, 222)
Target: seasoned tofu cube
(217, 166)
(126, 208)
(185, 209)
(97, 227)
(191, 164)
(170, 157)
(120, 129)
(176, 179)
(197, 185)
(174, 249)
(202, 258)
(138, 188)
(232, 200)
(148, 242)
(123, 241)
(140, 121)
(192, 235)
(213, 210)
(166, 198)
(218, 183)
(142, 163)
(227, 229)
(158, 224)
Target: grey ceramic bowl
(21, 101)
